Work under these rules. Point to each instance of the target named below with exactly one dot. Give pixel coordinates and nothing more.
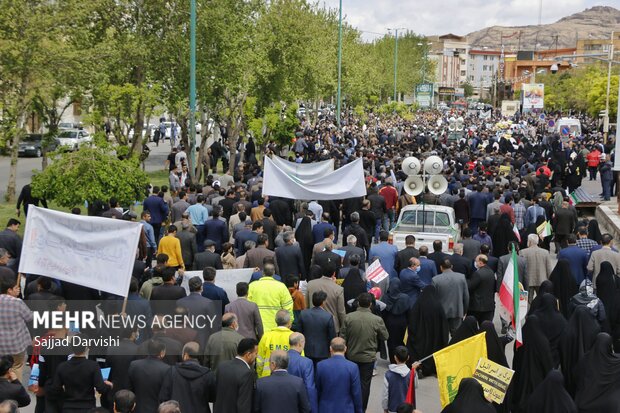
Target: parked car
(72, 139)
(427, 223)
(32, 145)
(70, 125)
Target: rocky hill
(597, 22)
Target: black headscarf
(502, 236)
(495, 349)
(467, 329)
(395, 301)
(303, 235)
(428, 328)
(353, 285)
(550, 396)
(599, 374)
(546, 287)
(564, 285)
(532, 361)
(608, 291)
(594, 233)
(469, 399)
(553, 324)
(578, 339)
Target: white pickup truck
(427, 223)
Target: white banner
(343, 183)
(226, 279)
(91, 251)
(305, 171)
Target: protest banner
(94, 252)
(343, 183)
(305, 171)
(226, 279)
(457, 362)
(375, 272)
(494, 379)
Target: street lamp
(396, 57)
(339, 64)
(192, 87)
(606, 118)
(427, 45)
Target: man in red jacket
(391, 198)
(594, 158)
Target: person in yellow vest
(270, 296)
(275, 339)
(171, 246)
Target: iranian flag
(544, 229)
(509, 295)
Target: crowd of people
(305, 331)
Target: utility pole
(339, 64)
(192, 87)
(606, 118)
(396, 60)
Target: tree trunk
(205, 132)
(11, 187)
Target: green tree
(468, 89)
(90, 174)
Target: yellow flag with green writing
(457, 362)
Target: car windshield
(68, 134)
(33, 138)
(430, 221)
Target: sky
(460, 17)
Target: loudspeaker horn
(414, 185)
(433, 165)
(452, 124)
(411, 165)
(437, 184)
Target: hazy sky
(454, 16)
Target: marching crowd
(305, 331)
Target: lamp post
(606, 118)
(396, 58)
(425, 62)
(339, 64)
(192, 86)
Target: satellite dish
(411, 165)
(459, 123)
(437, 184)
(414, 185)
(433, 165)
(452, 125)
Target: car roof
(436, 208)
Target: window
(484, 68)
(471, 77)
(463, 73)
(486, 57)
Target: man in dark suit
(318, 230)
(158, 209)
(317, 324)
(269, 228)
(352, 249)
(481, 287)
(289, 258)
(164, 296)
(254, 257)
(460, 263)
(478, 202)
(118, 358)
(188, 244)
(212, 291)
(216, 230)
(207, 258)
(250, 233)
(577, 257)
(248, 316)
(328, 258)
(197, 305)
(404, 255)
(492, 261)
(565, 221)
(355, 228)
(281, 392)
(437, 255)
(338, 382)
(236, 380)
(146, 377)
(189, 383)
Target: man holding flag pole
(510, 293)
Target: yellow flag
(457, 362)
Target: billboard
(424, 95)
(533, 95)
